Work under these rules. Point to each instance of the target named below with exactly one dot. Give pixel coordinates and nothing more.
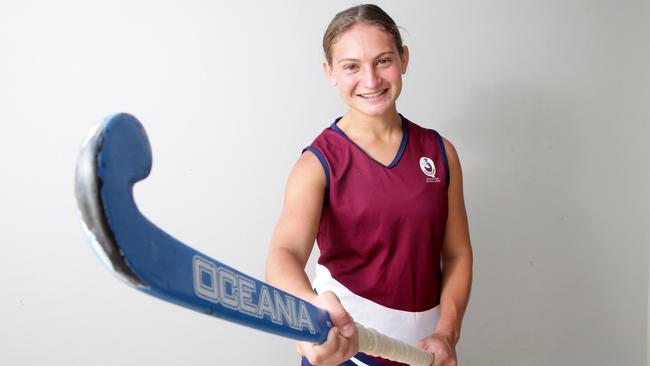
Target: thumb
(339, 316)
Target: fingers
(445, 353)
(335, 350)
(339, 316)
(342, 340)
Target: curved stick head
(115, 156)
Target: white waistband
(406, 326)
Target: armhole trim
(441, 143)
(326, 167)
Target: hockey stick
(114, 157)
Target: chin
(373, 112)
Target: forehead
(362, 41)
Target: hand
(441, 346)
(342, 341)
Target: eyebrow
(378, 56)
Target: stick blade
(88, 185)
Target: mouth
(370, 96)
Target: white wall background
(547, 101)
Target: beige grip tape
(376, 344)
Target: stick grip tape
(376, 344)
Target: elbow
(461, 256)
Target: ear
(328, 72)
(405, 59)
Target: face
(367, 69)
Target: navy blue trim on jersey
(366, 359)
(326, 167)
(444, 154)
(346, 363)
(359, 356)
(400, 151)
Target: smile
(373, 95)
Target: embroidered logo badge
(429, 169)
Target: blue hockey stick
(115, 156)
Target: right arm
(295, 231)
(291, 245)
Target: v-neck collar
(400, 151)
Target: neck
(381, 127)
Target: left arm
(457, 259)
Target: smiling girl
(383, 198)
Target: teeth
(370, 96)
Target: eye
(349, 67)
(384, 61)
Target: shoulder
(450, 152)
(418, 130)
(308, 169)
(308, 160)
(309, 175)
(327, 140)
(450, 149)
(453, 162)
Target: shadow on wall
(535, 190)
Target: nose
(370, 78)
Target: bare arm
(291, 245)
(457, 255)
(295, 231)
(457, 259)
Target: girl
(383, 198)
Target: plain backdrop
(547, 102)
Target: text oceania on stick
(220, 285)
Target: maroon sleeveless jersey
(381, 230)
